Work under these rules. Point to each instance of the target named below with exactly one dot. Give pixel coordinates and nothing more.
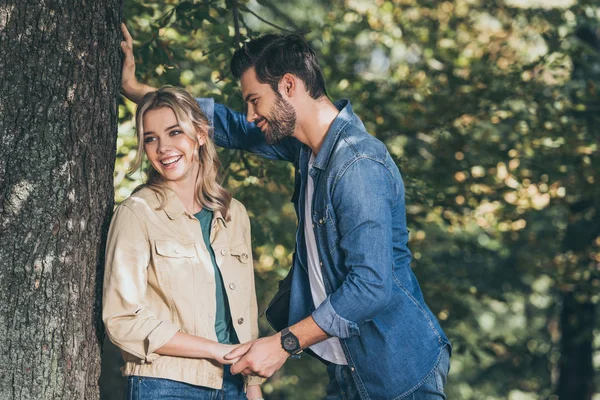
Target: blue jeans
(342, 387)
(146, 388)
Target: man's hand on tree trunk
(132, 89)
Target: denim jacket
(391, 339)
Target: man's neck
(314, 123)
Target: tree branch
(265, 21)
(236, 21)
(280, 14)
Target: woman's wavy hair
(209, 192)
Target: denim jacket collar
(337, 126)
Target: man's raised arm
(231, 129)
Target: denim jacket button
(321, 221)
(351, 369)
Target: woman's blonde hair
(209, 192)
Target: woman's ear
(201, 139)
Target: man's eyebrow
(247, 98)
(167, 129)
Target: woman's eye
(149, 139)
(175, 132)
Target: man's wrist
(290, 342)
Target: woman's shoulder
(237, 209)
(238, 216)
(142, 200)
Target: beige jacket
(159, 280)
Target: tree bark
(59, 83)
(577, 337)
(578, 315)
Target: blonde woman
(179, 284)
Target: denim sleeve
(363, 198)
(233, 131)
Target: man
(354, 300)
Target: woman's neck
(186, 193)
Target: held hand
(263, 357)
(221, 350)
(239, 351)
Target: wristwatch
(290, 342)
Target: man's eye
(254, 101)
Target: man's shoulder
(355, 143)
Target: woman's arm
(190, 346)
(130, 324)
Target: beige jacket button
(240, 321)
(232, 286)
(244, 256)
(176, 251)
(224, 252)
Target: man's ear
(287, 85)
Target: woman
(179, 281)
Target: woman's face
(171, 152)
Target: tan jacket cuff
(158, 338)
(254, 380)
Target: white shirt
(330, 349)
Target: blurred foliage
(490, 108)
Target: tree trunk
(577, 335)
(59, 82)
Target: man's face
(271, 113)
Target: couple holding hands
(179, 297)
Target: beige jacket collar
(175, 209)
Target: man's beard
(281, 121)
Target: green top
(223, 326)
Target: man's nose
(250, 114)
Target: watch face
(290, 344)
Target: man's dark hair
(273, 56)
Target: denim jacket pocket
(325, 229)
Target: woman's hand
(132, 89)
(219, 350)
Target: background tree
(490, 109)
(59, 79)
